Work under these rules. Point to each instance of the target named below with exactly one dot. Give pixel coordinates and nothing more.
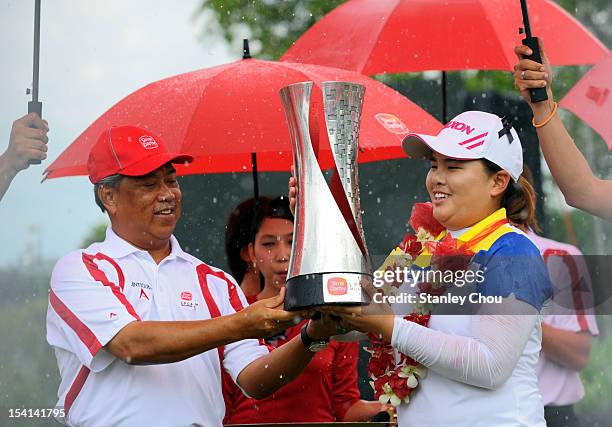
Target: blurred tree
(271, 25)
(274, 24)
(96, 234)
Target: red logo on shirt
(143, 294)
(186, 296)
(111, 315)
(337, 286)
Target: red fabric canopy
(221, 115)
(391, 36)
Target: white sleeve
(484, 359)
(85, 312)
(237, 355)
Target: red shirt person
(327, 388)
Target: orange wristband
(548, 119)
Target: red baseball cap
(131, 151)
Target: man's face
(147, 208)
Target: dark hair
(535, 226)
(239, 233)
(244, 223)
(275, 208)
(519, 199)
(112, 181)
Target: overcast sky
(92, 55)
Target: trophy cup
(329, 259)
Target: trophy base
(317, 289)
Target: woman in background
(327, 389)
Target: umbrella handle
(35, 107)
(537, 94)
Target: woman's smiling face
(462, 191)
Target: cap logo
(460, 127)
(392, 123)
(148, 142)
(474, 142)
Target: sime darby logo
(186, 296)
(460, 127)
(337, 286)
(392, 123)
(148, 142)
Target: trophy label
(344, 287)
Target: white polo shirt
(95, 293)
(572, 283)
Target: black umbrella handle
(538, 94)
(35, 107)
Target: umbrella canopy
(221, 115)
(591, 99)
(391, 36)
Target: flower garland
(395, 382)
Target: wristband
(548, 119)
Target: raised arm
(568, 166)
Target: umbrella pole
(444, 112)
(35, 106)
(255, 178)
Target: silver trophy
(329, 259)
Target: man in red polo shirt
(141, 329)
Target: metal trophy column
(329, 260)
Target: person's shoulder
(208, 270)
(191, 259)
(72, 265)
(550, 244)
(515, 242)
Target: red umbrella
(591, 99)
(221, 115)
(390, 36)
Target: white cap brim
(419, 146)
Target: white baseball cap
(469, 136)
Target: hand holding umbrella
(568, 166)
(536, 94)
(27, 145)
(530, 75)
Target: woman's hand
(323, 326)
(293, 189)
(529, 74)
(376, 318)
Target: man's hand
(267, 317)
(27, 143)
